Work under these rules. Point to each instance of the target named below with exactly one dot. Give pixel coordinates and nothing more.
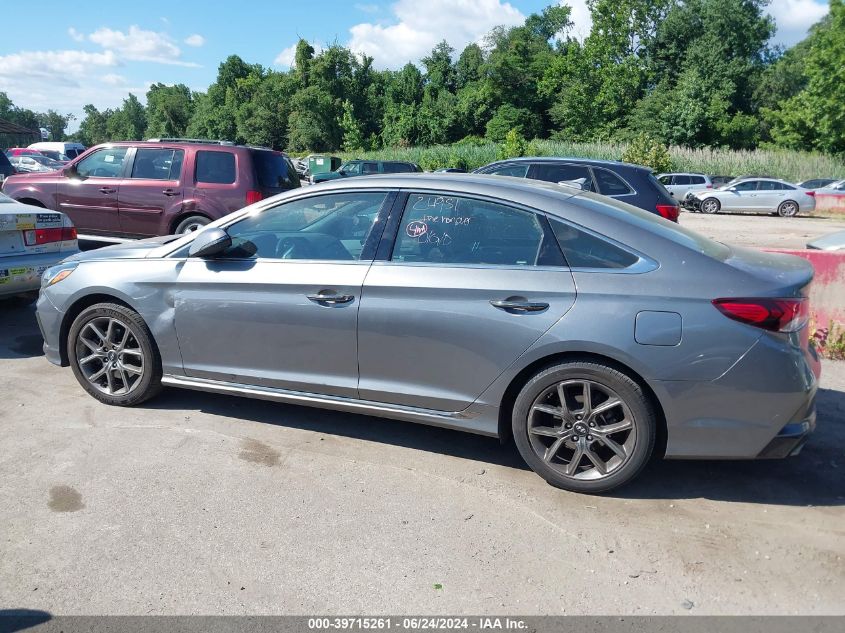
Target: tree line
(693, 73)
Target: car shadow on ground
(19, 335)
(815, 477)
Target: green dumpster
(319, 164)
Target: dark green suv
(360, 167)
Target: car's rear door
(279, 309)
(466, 286)
(152, 190)
(769, 195)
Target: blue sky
(94, 54)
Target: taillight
(669, 211)
(810, 193)
(253, 196)
(709, 186)
(34, 237)
(775, 315)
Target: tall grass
(787, 164)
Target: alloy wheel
(788, 209)
(710, 206)
(582, 429)
(109, 355)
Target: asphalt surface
(205, 504)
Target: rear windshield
(271, 168)
(655, 224)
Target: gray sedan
(593, 333)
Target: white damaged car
(31, 240)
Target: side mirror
(731, 188)
(70, 172)
(210, 243)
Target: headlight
(55, 274)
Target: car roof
(192, 143)
(569, 159)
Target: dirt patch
(65, 499)
(259, 453)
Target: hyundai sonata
(591, 332)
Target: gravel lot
(761, 230)
(204, 504)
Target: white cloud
(580, 17)
(75, 35)
(419, 26)
(140, 45)
(195, 40)
(288, 55)
(794, 18)
(64, 80)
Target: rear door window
(452, 230)
(369, 168)
(397, 168)
(158, 164)
(681, 179)
(610, 184)
(216, 167)
(579, 174)
(697, 180)
(272, 170)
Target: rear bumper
(762, 407)
(23, 273)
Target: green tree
(508, 118)
(169, 110)
(513, 145)
(815, 117)
(129, 122)
(93, 129)
(353, 134)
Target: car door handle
(107, 190)
(170, 192)
(330, 299)
(519, 306)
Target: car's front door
(279, 308)
(467, 286)
(740, 197)
(89, 197)
(152, 190)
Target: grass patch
(787, 164)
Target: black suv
(360, 167)
(633, 184)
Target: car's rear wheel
(584, 426)
(710, 205)
(191, 223)
(113, 355)
(788, 209)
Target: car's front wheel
(113, 355)
(584, 426)
(711, 205)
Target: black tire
(637, 444)
(147, 385)
(710, 205)
(788, 209)
(191, 224)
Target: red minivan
(156, 187)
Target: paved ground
(218, 505)
(761, 230)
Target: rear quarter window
(584, 250)
(271, 170)
(216, 168)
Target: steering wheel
(294, 248)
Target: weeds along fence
(787, 164)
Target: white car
(757, 195)
(71, 150)
(679, 185)
(31, 240)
